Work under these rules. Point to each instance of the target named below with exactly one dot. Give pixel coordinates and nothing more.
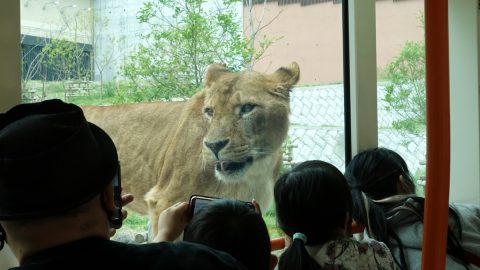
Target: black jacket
(98, 253)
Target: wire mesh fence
(317, 129)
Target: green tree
(405, 90)
(186, 36)
(63, 57)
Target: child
(314, 205)
(235, 227)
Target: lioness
(225, 141)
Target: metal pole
(438, 135)
(346, 83)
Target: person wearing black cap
(58, 199)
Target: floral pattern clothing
(350, 254)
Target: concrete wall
(312, 35)
(117, 35)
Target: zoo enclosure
(317, 129)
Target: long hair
(235, 227)
(313, 199)
(383, 187)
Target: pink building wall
(312, 36)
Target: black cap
(51, 160)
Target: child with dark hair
(314, 205)
(234, 227)
(384, 201)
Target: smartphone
(117, 218)
(197, 202)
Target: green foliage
(405, 91)
(270, 218)
(185, 37)
(287, 149)
(109, 89)
(65, 58)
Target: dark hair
(374, 175)
(235, 227)
(314, 199)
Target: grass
(135, 222)
(93, 99)
(56, 90)
(139, 223)
(271, 221)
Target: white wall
(363, 75)
(464, 101)
(69, 19)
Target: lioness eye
(208, 112)
(246, 108)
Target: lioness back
(140, 131)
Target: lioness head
(247, 114)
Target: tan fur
(162, 147)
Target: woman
(384, 201)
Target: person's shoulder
(186, 255)
(467, 209)
(375, 252)
(370, 245)
(469, 215)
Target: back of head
(51, 160)
(234, 227)
(377, 172)
(313, 199)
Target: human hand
(126, 199)
(171, 222)
(256, 206)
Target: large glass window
(401, 82)
(310, 34)
(125, 51)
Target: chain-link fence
(317, 129)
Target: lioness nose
(217, 146)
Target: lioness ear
(215, 71)
(286, 77)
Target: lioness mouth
(230, 166)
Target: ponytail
(296, 257)
(371, 215)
